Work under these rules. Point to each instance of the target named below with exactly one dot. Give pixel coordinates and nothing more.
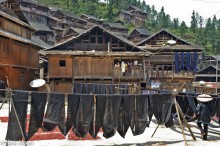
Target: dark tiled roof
(125, 12)
(78, 30)
(15, 19)
(87, 31)
(136, 8)
(35, 3)
(40, 26)
(40, 42)
(160, 32)
(92, 17)
(71, 15)
(116, 25)
(18, 38)
(143, 31)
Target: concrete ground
(163, 136)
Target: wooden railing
(135, 72)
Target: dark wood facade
(161, 65)
(95, 56)
(18, 54)
(91, 20)
(116, 28)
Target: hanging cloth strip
(96, 124)
(195, 59)
(55, 114)
(161, 105)
(110, 121)
(188, 61)
(139, 118)
(83, 117)
(38, 103)
(176, 62)
(182, 61)
(20, 99)
(73, 104)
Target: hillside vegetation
(201, 32)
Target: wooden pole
(155, 130)
(16, 114)
(184, 136)
(184, 119)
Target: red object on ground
(54, 134)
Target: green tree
(193, 22)
(183, 28)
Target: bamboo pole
(16, 114)
(155, 130)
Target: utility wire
(208, 1)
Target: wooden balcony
(134, 73)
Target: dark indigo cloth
(55, 114)
(182, 61)
(110, 122)
(176, 62)
(203, 112)
(195, 59)
(78, 88)
(20, 99)
(216, 107)
(186, 104)
(99, 110)
(125, 113)
(139, 119)
(161, 105)
(83, 117)
(188, 61)
(73, 103)
(38, 103)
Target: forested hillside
(201, 32)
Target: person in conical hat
(203, 112)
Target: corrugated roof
(18, 38)
(40, 26)
(14, 19)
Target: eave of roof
(160, 32)
(3, 14)
(117, 36)
(94, 53)
(19, 38)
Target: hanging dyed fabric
(20, 99)
(139, 118)
(195, 61)
(182, 61)
(73, 103)
(110, 122)
(161, 105)
(55, 114)
(83, 117)
(188, 61)
(99, 111)
(125, 112)
(38, 103)
(78, 88)
(176, 62)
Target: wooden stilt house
(96, 55)
(174, 60)
(18, 54)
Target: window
(92, 39)
(62, 63)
